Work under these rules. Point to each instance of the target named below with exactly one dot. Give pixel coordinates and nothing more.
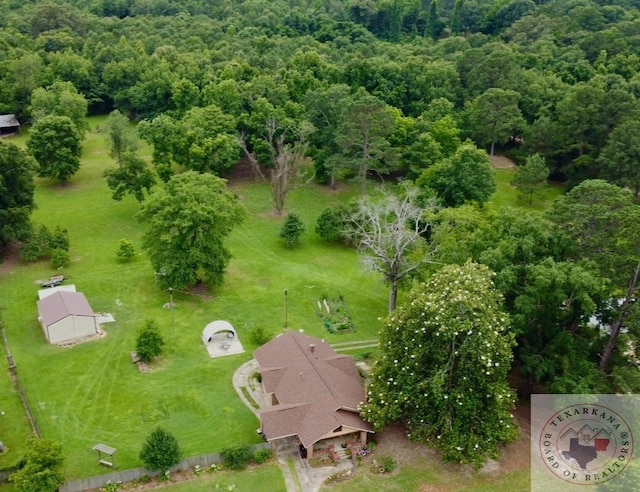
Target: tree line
(558, 79)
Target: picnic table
(53, 281)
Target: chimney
(312, 347)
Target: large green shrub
(262, 456)
(292, 229)
(59, 258)
(43, 467)
(161, 450)
(126, 251)
(149, 343)
(236, 458)
(259, 335)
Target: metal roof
(61, 304)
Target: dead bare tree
(388, 233)
(290, 167)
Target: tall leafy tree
(368, 122)
(206, 141)
(456, 22)
(188, 221)
(443, 369)
(16, 193)
(43, 467)
(119, 135)
(55, 143)
(531, 177)
(435, 26)
(467, 176)
(620, 157)
(604, 222)
(494, 117)
(285, 141)
(60, 99)
(132, 176)
(160, 133)
(388, 233)
(325, 110)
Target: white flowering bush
(443, 370)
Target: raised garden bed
(335, 314)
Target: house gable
(316, 390)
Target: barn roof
(61, 304)
(8, 120)
(317, 390)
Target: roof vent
(312, 347)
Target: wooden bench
(105, 462)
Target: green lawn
(263, 477)
(92, 392)
(507, 195)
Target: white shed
(67, 316)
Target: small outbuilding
(9, 125)
(221, 339)
(67, 316)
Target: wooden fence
(92, 483)
(13, 371)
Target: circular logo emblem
(586, 444)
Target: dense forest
(559, 79)
(392, 89)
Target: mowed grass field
(91, 392)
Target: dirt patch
(200, 290)
(9, 259)
(393, 441)
(502, 162)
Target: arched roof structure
(216, 327)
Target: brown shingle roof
(317, 389)
(58, 306)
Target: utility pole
(173, 321)
(285, 308)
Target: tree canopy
(43, 467)
(445, 357)
(55, 143)
(16, 193)
(187, 222)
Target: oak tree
(188, 220)
(54, 141)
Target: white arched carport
(221, 338)
(215, 327)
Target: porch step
(342, 453)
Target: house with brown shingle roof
(67, 316)
(312, 393)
